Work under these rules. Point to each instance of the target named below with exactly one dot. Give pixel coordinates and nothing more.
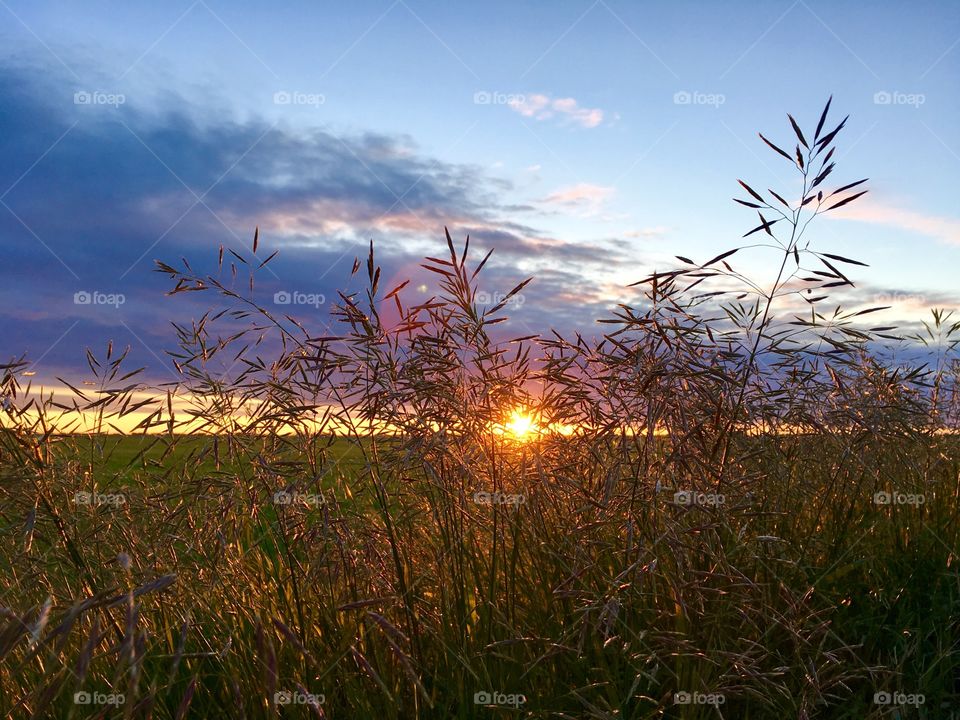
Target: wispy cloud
(648, 232)
(584, 199)
(542, 107)
(938, 227)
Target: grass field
(586, 600)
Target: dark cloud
(92, 194)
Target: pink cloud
(543, 107)
(579, 193)
(535, 106)
(944, 229)
(585, 198)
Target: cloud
(943, 229)
(542, 107)
(645, 233)
(124, 186)
(584, 199)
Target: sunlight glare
(521, 425)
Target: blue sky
(588, 142)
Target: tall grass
(351, 533)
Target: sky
(588, 143)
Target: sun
(521, 426)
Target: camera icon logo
(82, 697)
(281, 98)
(82, 98)
(282, 697)
(882, 698)
(882, 498)
(683, 497)
(281, 497)
(281, 298)
(82, 298)
(482, 698)
(682, 98)
(882, 98)
(682, 698)
(481, 97)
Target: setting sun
(520, 426)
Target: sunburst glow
(519, 426)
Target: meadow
(714, 509)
